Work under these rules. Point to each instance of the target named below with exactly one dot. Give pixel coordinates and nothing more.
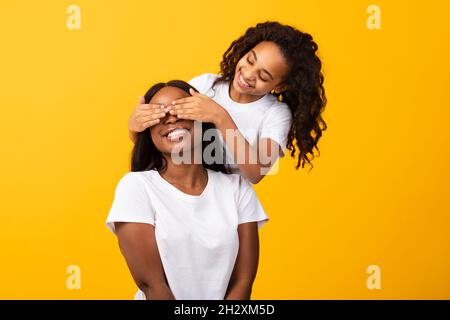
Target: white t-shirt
(266, 117)
(197, 236)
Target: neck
(241, 97)
(187, 175)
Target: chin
(180, 147)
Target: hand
(145, 115)
(197, 107)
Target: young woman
(187, 230)
(269, 93)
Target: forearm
(132, 135)
(244, 154)
(158, 292)
(239, 291)
(246, 265)
(138, 245)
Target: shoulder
(279, 107)
(133, 181)
(232, 181)
(206, 77)
(278, 111)
(132, 202)
(131, 178)
(228, 180)
(203, 82)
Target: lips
(175, 133)
(241, 81)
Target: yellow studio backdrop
(377, 197)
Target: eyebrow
(256, 59)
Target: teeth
(243, 81)
(177, 134)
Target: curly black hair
(305, 94)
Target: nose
(170, 119)
(249, 73)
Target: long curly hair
(305, 94)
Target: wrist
(239, 291)
(220, 117)
(158, 292)
(132, 135)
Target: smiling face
(261, 70)
(172, 134)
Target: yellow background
(378, 195)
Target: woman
(269, 93)
(187, 230)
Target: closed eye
(251, 63)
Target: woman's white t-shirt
(266, 117)
(197, 236)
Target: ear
(280, 88)
(193, 92)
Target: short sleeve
(276, 125)
(203, 82)
(249, 207)
(131, 202)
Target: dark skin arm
(202, 108)
(246, 265)
(137, 243)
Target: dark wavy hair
(145, 156)
(305, 94)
